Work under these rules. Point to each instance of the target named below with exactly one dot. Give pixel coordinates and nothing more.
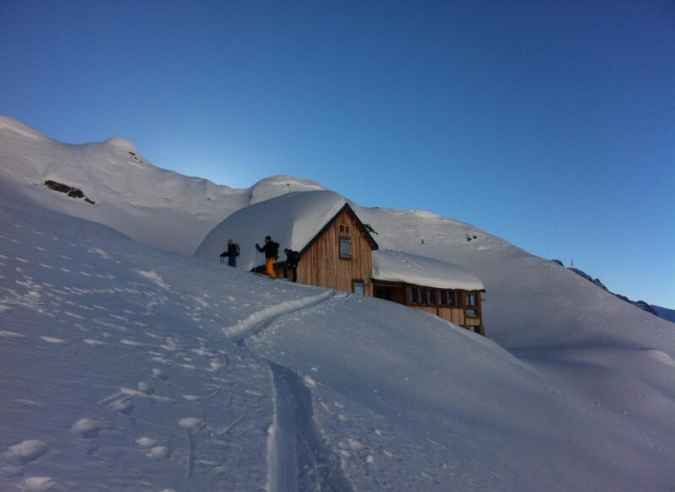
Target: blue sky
(550, 124)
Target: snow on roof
(292, 220)
(396, 266)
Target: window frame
(347, 240)
(358, 281)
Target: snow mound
(120, 142)
(292, 220)
(275, 186)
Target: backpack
(236, 249)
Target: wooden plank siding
(322, 266)
(453, 315)
(458, 315)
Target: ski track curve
(263, 318)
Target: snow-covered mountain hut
(338, 251)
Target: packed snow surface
(124, 367)
(396, 266)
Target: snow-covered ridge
(154, 206)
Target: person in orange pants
(271, 250)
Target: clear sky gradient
(550, 124)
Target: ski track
(300, 459)
(259, 320)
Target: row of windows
(438, 297)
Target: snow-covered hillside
(151, 205)
(124, 367)
(127, 368)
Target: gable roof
(400, 267)
(346, 208)
(294, 220)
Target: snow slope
(601, 347)
(127, 368)
(152, 205)
(124, 367)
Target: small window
(470, 299)
(411, 296)
(431, 297)
(344, 229)
(359, 287)
(471, 313)
(451, 299)
(345, 248)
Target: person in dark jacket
(231, 253)
(292, 259)
(271, 250)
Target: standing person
(231, 253)
(292, 259)
(271, 250)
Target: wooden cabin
(338, 257)
(338, 251)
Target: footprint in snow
(158, 373)
(26, 451)
(158, 452)
(89, 428)
(146, 442)
(191, 423)
(94, 343)
(39, 484)
(9, 334)
(122, 406)
(54, 340)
